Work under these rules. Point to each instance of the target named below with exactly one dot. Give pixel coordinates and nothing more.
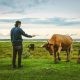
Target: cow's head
(49, 47)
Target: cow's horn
(50, 42)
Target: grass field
(38, 64)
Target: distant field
(38, 64)
(6, 50)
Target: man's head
(17, 23)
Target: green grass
(40, 69)
(38, 65)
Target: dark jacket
(16, 35)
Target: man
(16, 39)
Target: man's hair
(17, 23)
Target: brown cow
(57, 44)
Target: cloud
(65, 22)
(56, 21)
(19, 6)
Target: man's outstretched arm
(24, 34)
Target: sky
(41, 17)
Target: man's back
(16, 34)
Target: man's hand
(33, 35)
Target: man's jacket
(16, 35)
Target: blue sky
(28, 8)
(44, 14)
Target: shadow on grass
(5, 67)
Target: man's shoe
(14, 66)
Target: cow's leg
(68, 55)
(55, 59)
(58, 56)
(58, 53)
(54, 53)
